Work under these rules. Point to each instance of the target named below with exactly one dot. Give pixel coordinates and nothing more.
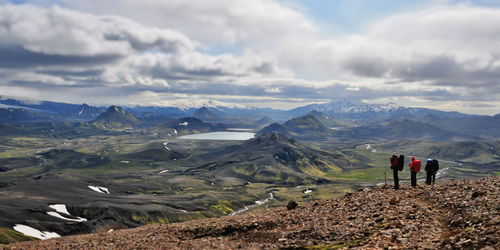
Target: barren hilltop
(463, 214)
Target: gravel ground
(461, 214)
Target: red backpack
(416, 166)
(394, 162)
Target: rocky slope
(462, 214)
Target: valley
(118, 171)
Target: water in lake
(227, 135)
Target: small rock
(477, 194)
(394, 238)
(292, 205)
(394, 201)
(488, 248)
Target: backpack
(435, 165)
(401, 162)
(416, 166)
(394, 162)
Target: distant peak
(203, 109)
(114, 108)
(272, 138)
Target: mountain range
(309, 122)
(347, 110)
(340, 110)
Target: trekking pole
(385, 177)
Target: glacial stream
(257, 203)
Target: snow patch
(163, 171)
(35, 233)
(183, 123)
(126, 162)
(442, 173)
(61, 209)
(165, 145)
(57, 215)
(99, 189)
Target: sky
(442, 54)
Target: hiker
(395, 167)
(428, 171)
(435, 168)
(414, 168)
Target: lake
(226, 136)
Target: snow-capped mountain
(345, 106)
(353, 111)
(187, 104)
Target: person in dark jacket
(395, 168)
(428, 171)
(414, 168)
(435, 168)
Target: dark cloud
(42, 85)
(72, 73)
(366, 66)
(18, 57)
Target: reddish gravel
(452, 215)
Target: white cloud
(449, 52)
(58, 31)
(60, 41)
(447, 49)
(212, 22)
(453, 44)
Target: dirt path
(412, 222)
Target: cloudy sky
(265, 53)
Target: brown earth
(461, 214)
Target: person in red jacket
(414, 168)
